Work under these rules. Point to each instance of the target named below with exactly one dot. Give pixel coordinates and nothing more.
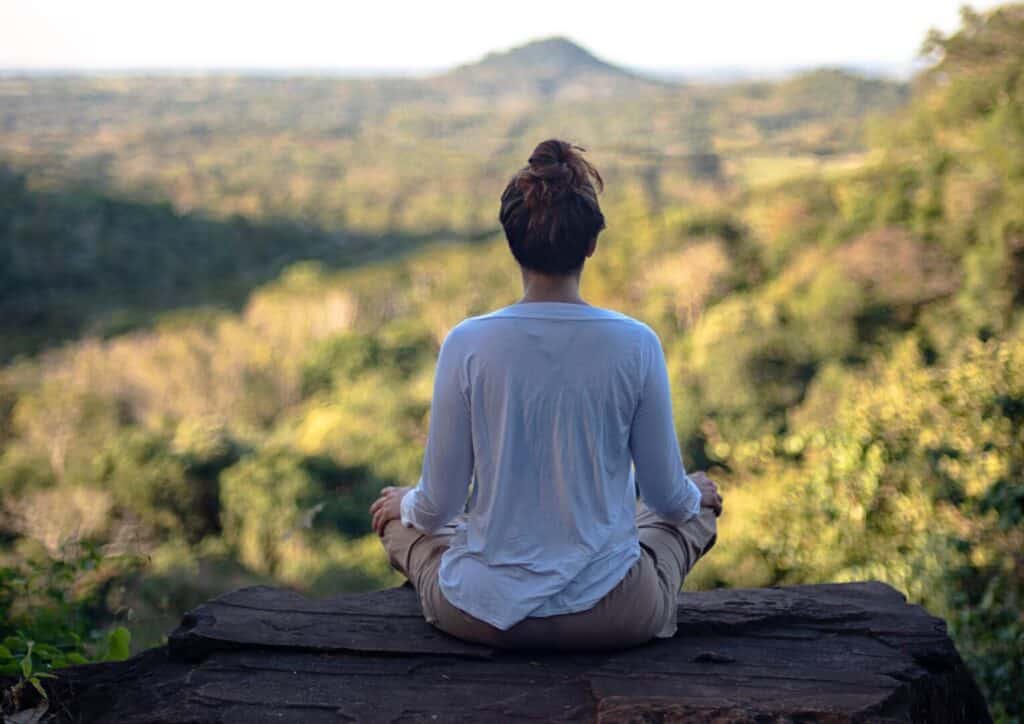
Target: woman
(557, 412)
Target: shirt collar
(555, 310)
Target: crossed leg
(641, 607)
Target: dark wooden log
(853, 652)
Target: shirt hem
(455, 600)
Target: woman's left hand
(387, 507)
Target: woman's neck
(539, 287)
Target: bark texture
(853, 652)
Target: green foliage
(170, 493)
(745, 367)
(48, 615)
(339, 360)
(280, 503)
(927, 461)
(247, 177)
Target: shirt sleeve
(443, 486)
(664, 485)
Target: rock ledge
(853, 652)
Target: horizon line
(877, 68)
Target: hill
(124, 196)
(548, 68)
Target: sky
(382, 36)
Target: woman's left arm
(443, 486)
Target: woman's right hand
(709, 496)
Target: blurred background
(233, 237)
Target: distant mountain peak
(556, 50)
(553, 65)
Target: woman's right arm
(664, 485)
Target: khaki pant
(641, 607)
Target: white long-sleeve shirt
(548, 416)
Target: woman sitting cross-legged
(548, 417)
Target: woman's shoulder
(618, 324)
(552, 311)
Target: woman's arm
(664, 485)
(448, 460)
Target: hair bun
(556, 168)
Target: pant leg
(675, 548)
(640, 607)
(628, 615)
(417, 556)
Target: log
(851, 652)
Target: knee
(398, 542)
(710, 523)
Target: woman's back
(557, 399)
(553, 413)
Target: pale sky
(417, 36)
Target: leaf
(118, 644)
(47, 652)
(5, 653)
(26, 665)
(76, 658)
(38, 687)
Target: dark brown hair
(549, 209)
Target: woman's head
(549, 209)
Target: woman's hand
(387, 507)
(709, 496)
